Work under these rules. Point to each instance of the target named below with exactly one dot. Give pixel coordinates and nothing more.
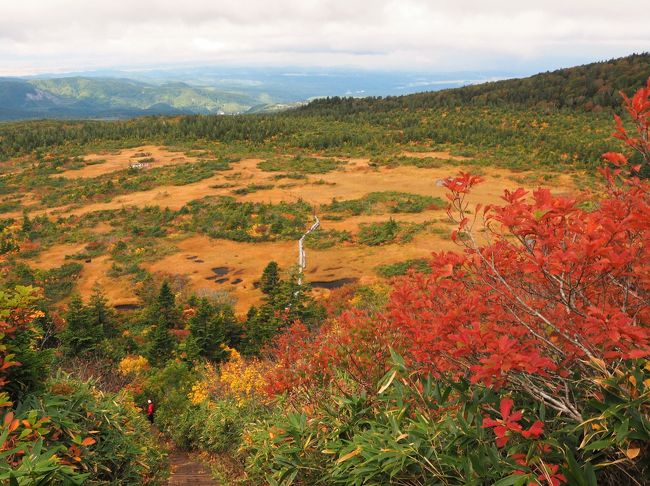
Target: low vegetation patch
(252, 188)
(60, 191)
(402, 268)
(380, 203)
(391, 231)
(225, 217)
(300, 165)
(290, 175)
(324, 239)
(128, 256)
(420, 162)
(57, 283)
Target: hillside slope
(79, 97)
(594, 86)
(127, 93)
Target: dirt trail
(185, 471)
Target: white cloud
(59, 35)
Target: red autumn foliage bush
(548, 292)
(638, 108)
(547, 305)
(356, 342)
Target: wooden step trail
(185, 471)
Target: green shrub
(169, 387)
(402, 268)
(227, 218)
(57, 282)
(391, 231)
(252, 188)
(375, 234)
(382, 202)
(421, 430)
(420, 162)
(290, 175)
(300, 165)
(92, 250)
(324, 239)
(217, 427)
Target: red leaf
(615, 158)
(505, 407)
(535, 430)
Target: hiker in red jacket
(150, 410)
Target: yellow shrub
(238, 379)
(242, 379)
(133, 365)
(200, 392)
(202, 389)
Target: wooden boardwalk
(185, 471)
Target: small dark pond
(333, 284)
(221, 271)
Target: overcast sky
(424, 35)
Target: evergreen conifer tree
(101, 317)
(261, 327)
(164, 315)
(286, 303)
(210, 328)
(270, 279)
(166, 305)
(80, 335)
(200, 338)
(232, 329)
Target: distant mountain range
(114, 94)
(81, 97)
(209, 90)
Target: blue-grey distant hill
(114, 94)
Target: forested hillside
(592, 87)
(85, 97)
